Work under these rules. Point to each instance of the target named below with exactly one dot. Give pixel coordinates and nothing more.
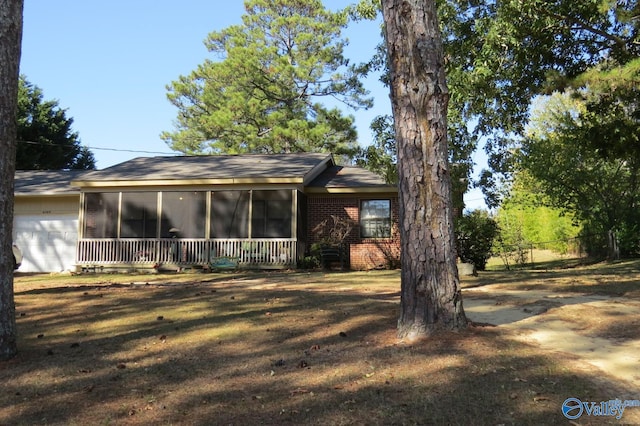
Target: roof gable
(345, 179)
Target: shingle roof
(211, 167)
(343, 177)
(317, 171)
(46, 182)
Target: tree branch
(585, 26)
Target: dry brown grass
(270, 348)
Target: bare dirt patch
(273, 348)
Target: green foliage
(526, 217)
(45, 138)
(381, 157)
(309, 262)
(527, 220)
(475, 234)
(586, 159)
(611, 106)
(501, 55)
(512, 246)
(262, 93)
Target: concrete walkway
(537, 316)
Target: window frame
(367, 222)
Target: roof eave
(46, 194)
(352, 190)
(185, 182)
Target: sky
(108, 63)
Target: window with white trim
(375, 218)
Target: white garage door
(48, 243)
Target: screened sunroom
(258, 209)
(175, 228)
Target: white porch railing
(256, 253)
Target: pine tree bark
(430, 288)
(10, 43)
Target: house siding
(364, 253)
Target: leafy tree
(500, 55)
(381, 157)
(475, 233)
(526, 216)
(45, 138)
(503, 54)
(10, 36)
(430, 289)
(613, 106)
(601, 186)
(262, 95)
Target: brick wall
(363, 253)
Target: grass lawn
(276, 349)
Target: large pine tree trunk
(10, 40)
(430, 295)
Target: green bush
(309, 262)
(475, 233)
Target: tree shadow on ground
(261, 351)
(613, 279)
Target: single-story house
(262, 211)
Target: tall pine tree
(263, 93)
(430, 297)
